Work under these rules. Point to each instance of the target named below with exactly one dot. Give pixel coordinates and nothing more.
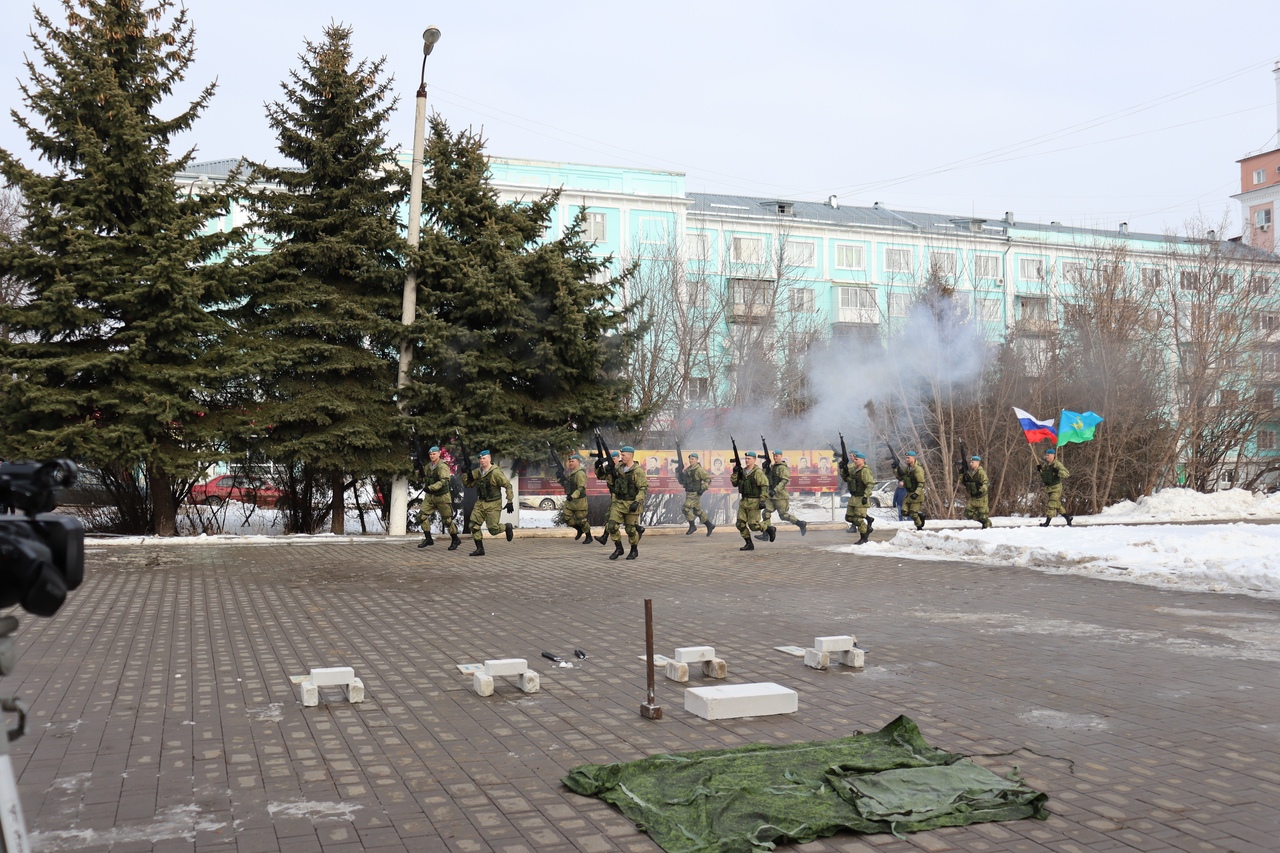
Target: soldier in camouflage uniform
(489, 483)
(438, 499)
(574, 510)
(777, 499)
(753, 486)
(696, 480)
(630, 487)
(602, 474)
(1052, 473)
(913, 476)
(861, 484)
(976, 485)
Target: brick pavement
(163, 719)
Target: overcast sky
(1089, 113)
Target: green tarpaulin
(752, 798)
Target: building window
(1033, 352)
(596, 227)
(699, 389)
(1188, 280)
(991, 310)
(693, 293)
(752, 297)
(1151, 277)
(1033, 308)
(698, 246)
(899, 304)
(986, 266)
(798, 254)
(1269, 321)
(1262, 218)
(1271, 360)
(748, 250)
(1266, 439)
(653, 231)
(858, 305)
(897, 260)
(1259, 176)
(944, 263)
(802, 300)
(1228, 397)
(849, 257)
(1031, 269)
(1259, 285)
(1073, 272)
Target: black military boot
(986, 522)
(617, 550)
(454, 541)
(853, 528)
(762, 536)
(589, 540)
(639, 532)
(750, 546)
(772, 532)
(577, 535)
(864, 538)
(804, 527)
(426, 539)
(510, 533)
(603, 537)
(479, 551)
(635, 552)
(1068, 518)
(710, 527)
(918, 518)
(1046, 522)
(871, 522)
(693, 525)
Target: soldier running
(913, 476)
(489, 483)
(753, 486)
(696, 480)
(574, 510)
(602, 474)
(629, 488)
(777, 499)
(1052, 473)
(976, 484)
(438, 499)
(861, 484)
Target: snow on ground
(1138, 541)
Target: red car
(236, 487)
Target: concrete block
(677, 671)
(729, 701)
(695, 654)
(715, 668)
(834, 644)
(483, 684)
(815, 659)
(505, 666)
(310, 694)
(355, 691)
(854, 657)
(529, 681)
(332, 676)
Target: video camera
(41, 555)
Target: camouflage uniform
(976, 485)
(777, 499)
(696, 480)
(913, 477)
(753, 486)
(489, 486)
(1052, 474)
(438, 499)
(630, 486)
(861, 484)
(574, 511)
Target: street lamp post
(398, 512)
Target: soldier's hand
(635, 506)
(510, 507)
(914, 496)
(1039, 466)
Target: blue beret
(613, 453)
(751, 453)
(577, 457)
(975, 458)
(912, 453)
(434, 449)
(485, 453)
(857, 454)
(1051, 450)
(777, 453)
(628, 449)
(693, 456)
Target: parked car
(237, 487)
(542, 501)
(881, 494)
(89, 490)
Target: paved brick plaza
(163, 718)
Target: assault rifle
(610, 467)
(844, 456)
(737, 460)
(897, 464)
(964, 460)
(768, 463)
(463, 457)
(555, 460)
(679, 465)
(417, 456)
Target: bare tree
(12, 290)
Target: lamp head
(430, 36)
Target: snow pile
(1238, 558)
(1188, 505)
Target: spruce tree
(110, 360)
(322, 322)
(518, 340)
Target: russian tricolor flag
(1035, 429)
